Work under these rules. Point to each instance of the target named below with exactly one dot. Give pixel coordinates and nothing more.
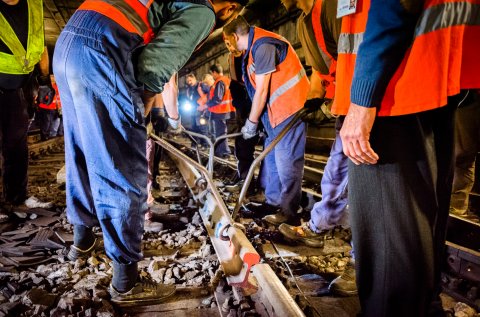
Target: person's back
(106, 92)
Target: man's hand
(249, 130)
(175, 125)
(355, 135)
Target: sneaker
(76, 253)
(145, 292)
(279, 218)
(34, 202)
(345, 284)
(152, 226)
(303, 234)
(256, 210)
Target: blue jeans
(105, 136)
(284, 165)
(332, 209)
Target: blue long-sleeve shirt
(389, 33)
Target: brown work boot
(345, 284)
(145, 292)
(304, 234)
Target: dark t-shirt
(265, 58)
(17, 17)
(331, 27)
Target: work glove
(175, 125)
(317, 111)
(249, 130)
(45, 90)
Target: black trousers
(399, 209)
(13, 142)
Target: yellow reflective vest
(22, 61)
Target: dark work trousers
(13, 141)
(244, 149)
(200, 128)
(219, 127)
(105, 136)
(399, 208)
(49, 122)
(467, 146)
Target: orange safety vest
(226, 105)
(328, 80)
(289, 84)
(443, 58)
(132, 15)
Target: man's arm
(44, 64)
(46, 93)
(317, 90)
(389, 32)
(260, 97)
(388, 35)
(174, 42)
(218, 94)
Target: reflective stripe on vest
(289, 84)
(442, 60)
(226, 105)
(23, 61)
(326, 56)
(132, 15)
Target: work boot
(145, 292)
(76, 253)
(279, 218)
(303, 234)
(256, 210)
(345, 284)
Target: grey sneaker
(76, 253)
(145, 292)
(303, 234)
(152, 226)
(345, 284)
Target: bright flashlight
(187, 106)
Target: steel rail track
(238, 258)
